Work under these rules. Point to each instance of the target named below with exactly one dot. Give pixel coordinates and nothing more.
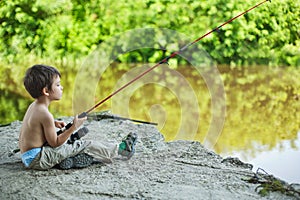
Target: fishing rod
(102, 116)
(165, 60)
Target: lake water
(247, 112)
(283, 161)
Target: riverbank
(158, 170)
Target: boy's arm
(50, 134)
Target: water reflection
(263, 107)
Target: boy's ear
(45, 91)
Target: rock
(158, 170)
(237, 162)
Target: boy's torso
(31, 133)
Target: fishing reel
(78, 134)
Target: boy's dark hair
(39, 76)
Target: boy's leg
(102, 151)
(105, 152)
(95, 151)
(49, 157)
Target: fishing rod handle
(82, 115)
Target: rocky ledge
(158, 170)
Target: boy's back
(31, 134)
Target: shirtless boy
(39, 128)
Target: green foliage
(269, 183)
(71, 29)
(15, 107)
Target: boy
(40, 146)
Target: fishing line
(164, 61)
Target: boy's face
(57, 89)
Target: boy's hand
(59, 124)
(77, 122)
